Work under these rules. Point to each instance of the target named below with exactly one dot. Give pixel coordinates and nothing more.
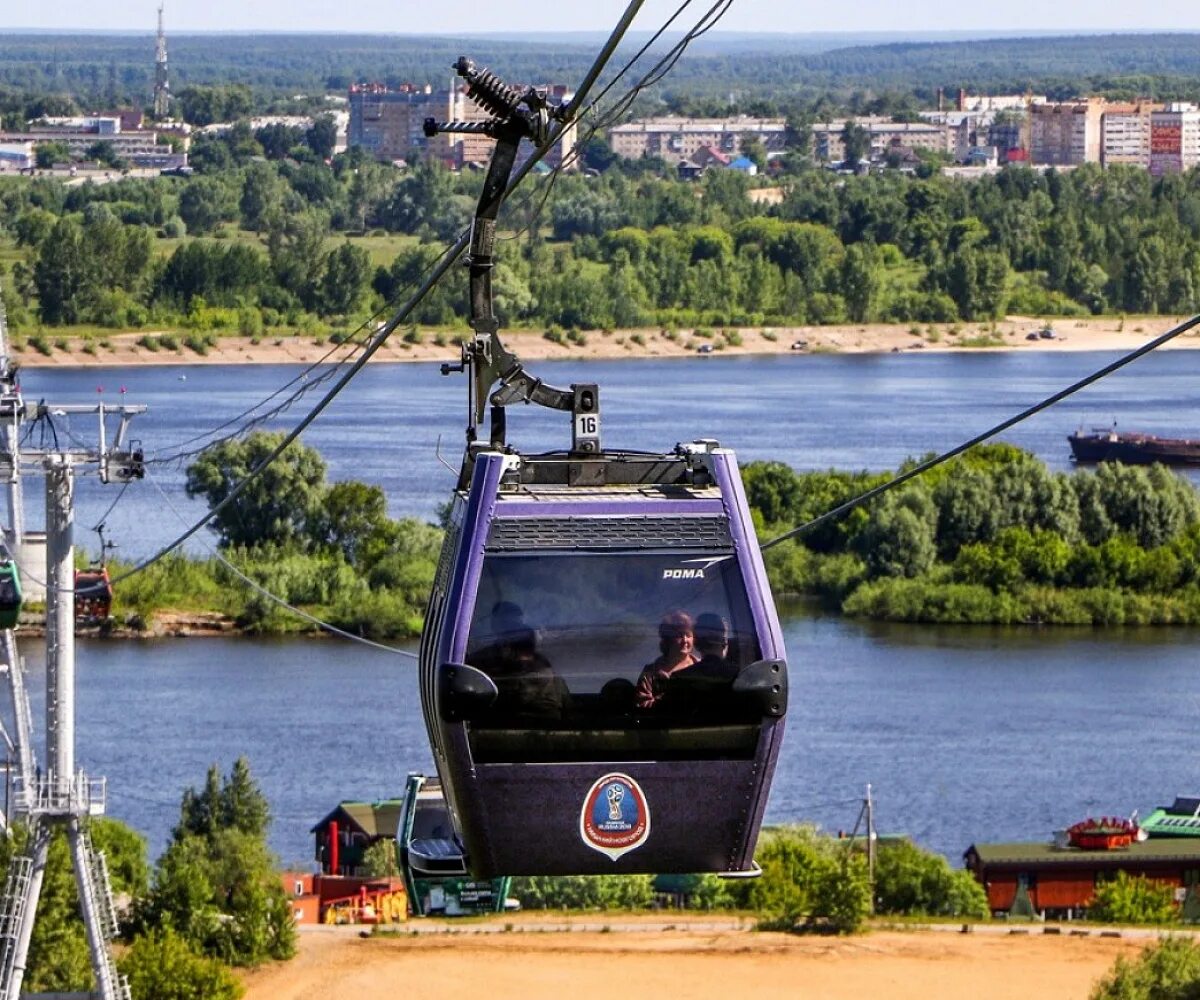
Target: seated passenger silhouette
(702, 691)
(675, 643)
(527, 688)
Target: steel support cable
(275, 598)
(703, 25)
(665, 64)
(306, 385)
(991, 432)
(380, 336)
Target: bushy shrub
(1133, 899)
(584, 892)
(809, 880)
(200, 343)
(910, 881)
(161, 966)
(1167, 970)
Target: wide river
(965, 734)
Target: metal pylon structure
(60, 796)
(162, 86)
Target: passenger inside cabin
(702, 690)
(676, 643)
(691, 681)
(528, 689)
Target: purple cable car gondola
(547, 612)
(602, 670)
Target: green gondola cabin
(10, 594)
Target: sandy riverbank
(1093, 334)
(691, 964)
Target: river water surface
(965, 734)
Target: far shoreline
(1014, 333)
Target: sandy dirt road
(691, 964)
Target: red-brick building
(1059, 881)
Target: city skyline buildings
(413, 18)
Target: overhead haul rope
(664, 65)
(306, 385)
(930, 463)
(377, 339)
(654, 75)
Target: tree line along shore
(992, 537)
(270, 240)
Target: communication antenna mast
(162, 87)
(60, 796)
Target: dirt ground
(1108, 333)
(691, 963)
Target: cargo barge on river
(1111, 445)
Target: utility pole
(63, 796)
(866, 813)
(869, 806)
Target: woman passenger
(676, 642)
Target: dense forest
(791, 75)
(261, 238)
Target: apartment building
(1125, 133)
(883, 134)
(389, 122)
(477, 149)
(1066, 134)
(677, 139)
(1174, 139)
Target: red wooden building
(1058, 881)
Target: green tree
(380, 860)
(205, 203)
(104, 152)
(859, 282)
(1133, 899)
(275, 506)
(857, 143)
(899, 539)
(322, 136)
(61, 273)
(809, 879)
(161, 966)
(296, 247)
(911, 881)
(262, 196)
(46, 154)
(352, 518)
(347, 275)
(216, 884)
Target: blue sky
(423, 17)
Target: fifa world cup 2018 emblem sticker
(616, 817)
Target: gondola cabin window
(613, 655)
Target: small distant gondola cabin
(1059, 882)
(342, 837)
